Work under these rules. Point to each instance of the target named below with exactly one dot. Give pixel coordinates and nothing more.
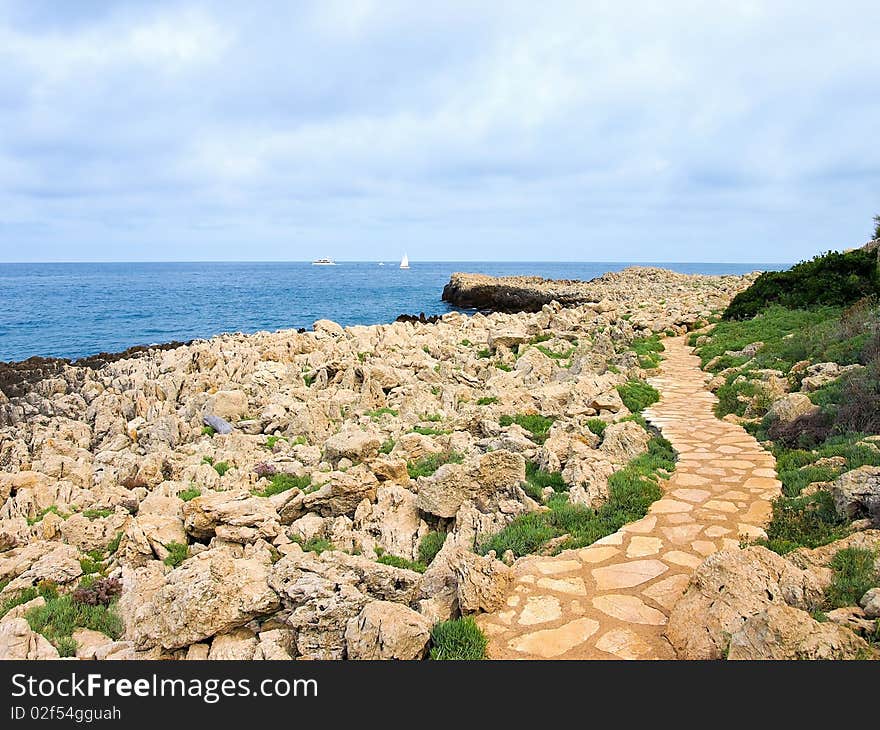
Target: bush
(637, 395)
(177, 553)
(283, 482)
(534, 423)
(537, 478)
(188, 495)
(397, 562)
(427, 465)
(61, 615)
(834, 279)
(803, 522)
(94, 514)
(876, 227)
(221, 467)
(648, 350)
(597, 426)
(458, 640)
(99, 593)
(854, 575)
(487, 400)
(430, 545)
(314, 545)
(208, 431)
(386, 446)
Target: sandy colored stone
(629, 608)
(550, 643)
(627, 575)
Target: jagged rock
(276, 645)
(17, 641)
(357, 446)
(230, 405)
(385, 630)
(342, 493)
(784, 632)
(856, 493)
(212, 592)
(89, 642)
(239, 644)
(870, 602)
(482, 582)
(443, 492)
(393, 521)
(623, 442)
(728, 588)
(790, 407)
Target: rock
(230, 405)
(393, 521)
(21, 609)
(17, 641)
(235, 516)
(239, 644)
(357, 446)
(443, 492)
(482, 581)
(328, 327)
(342, 493)
(509, 337)
(88, 643)
(212, 592)
(822, 373)
(856, 493)
(276, 645)
(790, 407)
(728, 588)
(385, 630)
(499, 470)
(784, 632)
(623, 442)
(220, 425)
(870, 602)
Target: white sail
(404, 262)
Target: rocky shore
(341, 516)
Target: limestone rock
(482, 582)
(856, 493)
(230, 405)
(239, 644)
(870, 602)
(17, 641)
(357, 446)
(790, 407)
(623, 442)
(385, 630)
(235, 516)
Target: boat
(323, 262)
(381, 263)
(404, 262)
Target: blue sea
(73, 310)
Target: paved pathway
(611, 600)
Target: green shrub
(189, 494)
(503, 366)
(271, 441)
(648, 350)
(854, 575)
(534, 423)
(876, 227)
(283, 482)
(94, 514)
(538, 479)
(427, 465)
(42, 513)
(803, 522)
(484, 353)
(177, 553)
(66, 646)
(208, 431)
(430, 545)
(832, 279)
(428, 431)
(61, 615)
(555, 355)
(314, 545)
(597, 426)
(637, 395)
(486, 400)
(379, 412)
(398, 562)
(222, 467)
(460, 639)
(386, 447)
(113, 545)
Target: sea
(72, 310)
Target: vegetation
(555, 355)
(854, 575)
(283, 482)
(189, 494)
(113, 545)
(428, 431)
(458, 640)
(314, 545)
(398, 562)
(484, 353)
(208, 431)
(430, 545)
(222, 467)
(271, 441)
(379, 412)
(537, 479)
(537, 425)
(427, 465)
(833, 279)
(631, 491)
(42, 513)
(637, 395)
(177, 553)
(648, 350)
(62, 615)
(94, 514)
(386, 446)
(597, 426)
(487, 400)
(876, 227)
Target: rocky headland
(342, 515)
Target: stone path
(611, 600)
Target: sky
(596, 131)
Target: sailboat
(323, 262)
(404, 262)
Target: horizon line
(375, 261)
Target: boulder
(342, 493)
(498, 470)
(856, 493)
(17, 641)
(236, 516)
(482, 581)
(89, 642)
(393, 521)
(728, 588)
(790, 407)
(385, 630)
(239, 644)
(230, 405)
(870, 603)
(211, 593)
(622, 442)
(443, 492)
(357, 446)
(276, 645)
(784, 632)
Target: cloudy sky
(603, 131)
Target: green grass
(113, 545)
(460, 639)
(208, 431)
(854, 574)
(430, 545)
(314, 545)
(222, 467)
(92, 563)
(61, 616)
(427, 465)
(465, 343)
(484, 353)
(432, 417)
(94, 514)
(648, 350)
(284, 482)
(637, 395)
(387, 446)
(209, 460)
(189, 494)
(272, 440)
(535, 424)
(47, 591)
(41, 514)
(503, 366)
(487, 400)
(597, 426)
(398, 562)
(428, 431)
(177, 553)
(555, 355)
(379, 412)
(537, 479)
(631, 491)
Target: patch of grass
(309, 378)
(66, 646)
(648, 350)
(314, 545)
(284, 482)
(484, 353)
(379, 412)
(534, 423)
(398, 562)
(503, 366)
(177, 553)
(222, 467)
(597, 426)
(23, 596)
(460, 640)
(637, 395)
(631, 491)
(272, 440)
(432, 417)
(428, 431)
(430, 545)
(61, 615)
(93, 562)
(41, 514)
(554, 355)
(465, 343)
(854, 575)
(803, 522)
(113, 545)
(188, 495)
(208, 431)
(94, 514)
(487, 400)
(387, 446)
(429, 464)
(209, 460)
(537, 479)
